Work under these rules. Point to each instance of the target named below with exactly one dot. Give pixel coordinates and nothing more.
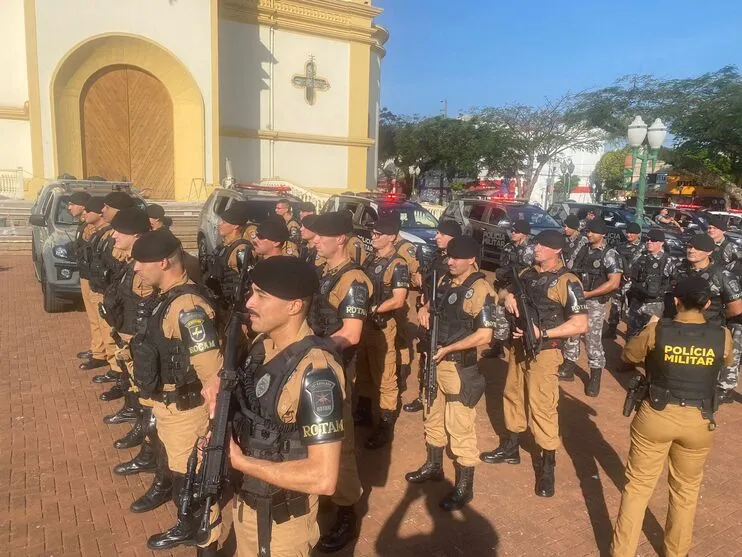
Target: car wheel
(203, 255)
(52, 304)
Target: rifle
(203, 487)
(431, 379)
(636, 393)
(358, 253)
(115, 336)
(526, 318)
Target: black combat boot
(114, 393)
(508, 451)
(85, 355)
(414, 406)
(136, 434)
(144, 461)
(432, 470)
(185, 530)
(593, 385)
(161, 490)
(726, 396)
(129, 412)
(545, 480)
(93, 363)
(344, 531)
(384, 431)
(108, 377)
(463, 491)
(566, 371)
(362, 416)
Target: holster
(472, 386)
(185, 398)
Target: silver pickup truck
(53, 229)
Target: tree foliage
(609, 172)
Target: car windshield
(410, 216)
(532, 215)
(63, 216)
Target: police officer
(574, 240)
(465, 305)
(600, 269)
(289, 441)
(407, 251)
(338, 312)
(726, 302)
(448, 229)
(305, 209)
(157, 218)
(727, 253)
(682, 358)
(664, 218)
(307, 249)
(532, 387)
(271, 239)
(377, 359)
(176, 354)
(283, 209)
(224, 266)
(629, 251)
(519, 253)
(650, 276)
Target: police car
(418, 225)
(262, 203)
(489, 220)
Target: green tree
(560, 186)
(609, 172)
(703, 114)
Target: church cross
(310, 82)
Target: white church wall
(183, 28)
(14, 84)
(246, 156)
(374, 100)
(329, 114)
(15, 145)
(310, 165)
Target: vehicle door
(369, 214)
(616, 225)
(496, 234)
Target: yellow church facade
(163, 92)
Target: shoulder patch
(197, 330)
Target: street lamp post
(570, 170)
(655, 136)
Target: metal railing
(305, 195)
(11, 182)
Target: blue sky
(495, 52)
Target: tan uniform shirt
(340, 290)
(407, 251)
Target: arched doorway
(127, 129)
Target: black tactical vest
(222, 279)
(549, 312)
(628, 251)
(686, 359)
(376, 269)
(651, 281)
(455, 323)
(323, 318)
(78, 251)
(592, 270)
(437, 263)
(260, 431)
(122, 303)
(95, 256)
(159, 360)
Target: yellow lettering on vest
(668, 348)
(307, 431)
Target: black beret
(718, 221)
(388, 224)
(155, 245)
(656, 235)
(551, 239)
(449, 227)
(307, 207)
(598, 226)
(309, 221)
(572, 222)
(285, 277)
(522, 226)
(79, 198)
(463, 247)
(333, 224)
(131, 221)
(691, 285)
(273, 228)
(155, 211)
(118, 200)
(634, 228)
(703, 242)
(235, 214)
(94, 205)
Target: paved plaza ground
(59, 496)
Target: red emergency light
(688, 206)
(735, 210)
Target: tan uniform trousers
(178, 430)
(451, 419)
(377, 365)
(96, 336)
(108, 344)
(348, 490)
(682, 434)
(531, 396)
(294, 538)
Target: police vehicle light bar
(688, 206)
(258, 187)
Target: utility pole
(444, 108)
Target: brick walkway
(60, 497)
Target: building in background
(161, 92)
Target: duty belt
(184, 398)
(285, 504)
(692, 402)
(465, 358)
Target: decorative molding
(336, 19)
(14, 113)
(248, 133)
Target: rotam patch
(322, 400)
